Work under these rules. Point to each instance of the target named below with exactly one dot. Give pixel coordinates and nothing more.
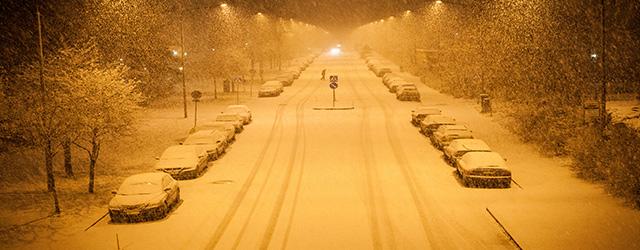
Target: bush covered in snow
(611, 158)
(549, 126)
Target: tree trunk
(93, 158)
(51, 181)
(68, 168)
(215, 89)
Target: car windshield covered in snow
(141, 184)
(228, 117)
(136, 188)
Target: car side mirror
(114, 192)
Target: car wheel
(163, 212)
(115, 219)
(177, 200)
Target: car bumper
(181, 174)
(121, 215)
(492, 181)
(266, 94)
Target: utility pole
(236, 85)
(603, 97)
(182, 57)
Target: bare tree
(105, 102)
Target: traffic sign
(333, 85)
(333, 78)
(196, 95)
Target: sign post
(333, 85)
(196, 95)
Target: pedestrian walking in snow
(324, 71)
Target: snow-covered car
(409, 93)
(446, 133)
(419, 113)
(381, 70)
(242, 110)
(372, 62)
(432, 122)
(395, 81)
(183, 161)
(213, 141)
(387, 78)
(286, 79)
(144, 197)
(294, 73)
(226, 128)
(395, 87)
(271, 88)
(233, 119)
(458, 147)
(483, 168)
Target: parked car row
(404, 90)
(474, 161)
(152, 195)
(275, 86)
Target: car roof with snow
(453, 127)
(427, 111)
(459, 133)
(439, 119)
(483, 159)
(217, 124)
(152, 177)
(272, 83)
(469, 145)
(181, 151)
(206, 134)
(228, 116)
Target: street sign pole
(196, 95)
(333, 85)
(334, 98)
(195, 113)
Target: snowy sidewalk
(554, 209)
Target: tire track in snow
(235, 205)
(373, 184)
(295, 150)
(407, 172)
(421, 202)
(261, 191)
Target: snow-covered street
(301, 178)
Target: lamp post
(603, 97)
(182, 69)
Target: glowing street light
(223, 5)
(335, 51)
(438, 1)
